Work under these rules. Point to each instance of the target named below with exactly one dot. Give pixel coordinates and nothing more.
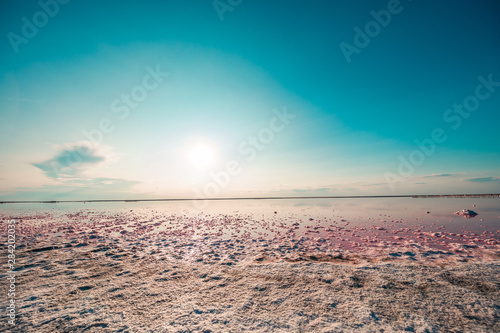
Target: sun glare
(201, 155)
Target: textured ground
(105, 288)
(133, 272)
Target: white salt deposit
(466, 213)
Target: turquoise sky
(159, 99)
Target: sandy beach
(130, 272)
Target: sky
(239, 98)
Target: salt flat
(150, 270)
(108, 289)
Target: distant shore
(266, 198)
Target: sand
(95, 277)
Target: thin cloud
(107, 188)
(312, 190)
(438, 175)
(483, 180)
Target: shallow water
(354, 225)
(432, 213)
(95, 262)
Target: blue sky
(163, 99)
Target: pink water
(396, 227)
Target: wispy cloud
(312, 190)
(99, 188)
(438, 175)
(73, 158)
(375, 184)
(483, 180)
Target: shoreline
(265, 198)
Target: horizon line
(468, 195)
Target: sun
(201, 155)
